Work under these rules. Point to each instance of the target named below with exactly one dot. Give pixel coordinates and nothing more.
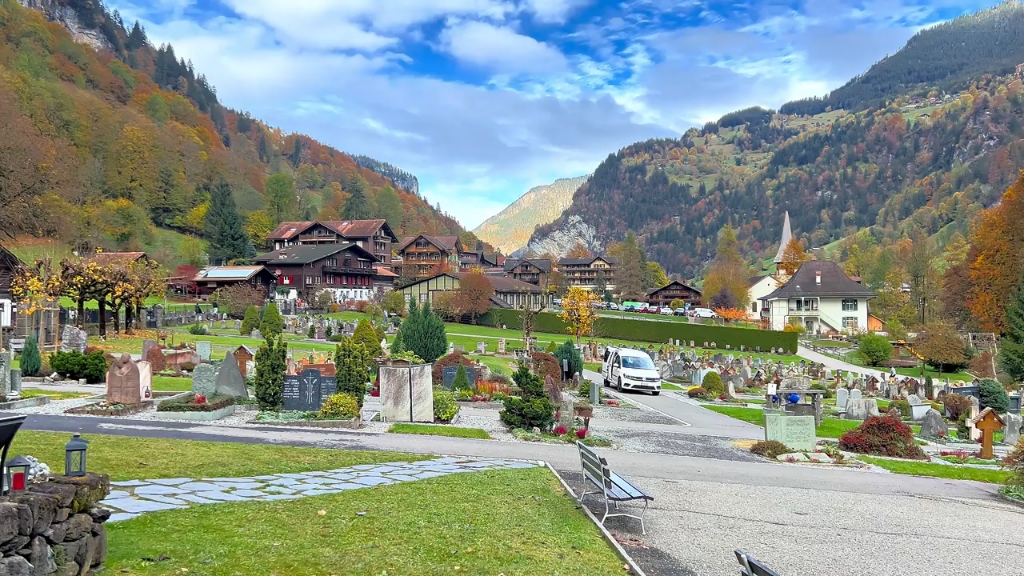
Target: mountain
(510, 229)
(926, 159)
(129, 140)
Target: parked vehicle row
(645, 308)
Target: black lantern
(17, 474)
(74, 456)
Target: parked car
(665, 310)
(627, 369)
(704, 313)
(613, 306)
(643, 307)
(556, 302)
(680, 312)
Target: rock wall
(559, 242)
(55, 528)
(66, 17)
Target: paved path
(134, 497)
(836, 364)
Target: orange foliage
(733, 314)
(995, 269)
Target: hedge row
(651, 331)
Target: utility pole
(923, 301)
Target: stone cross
(988, 422)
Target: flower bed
(105, 409)
(195, 403)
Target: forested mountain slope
(128, 138)
(510, 229)
(925, 163)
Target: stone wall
(55, 528)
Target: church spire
(787, 235)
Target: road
(836, 364)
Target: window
(849, 305)
(849, 321)
(753, 306)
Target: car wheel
(605, 382)
(618, 385)
(656, 392)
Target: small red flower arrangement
(560, 430)
(581, 433)
(200, 399)
(614, 403)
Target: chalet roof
(303, 254)
(288, 230)
(543, 263)
(787, 235)
(834, 283)
(447, 243)
(346, 228)
(227, 273)
(382, 271)
(673, 284)
(501, 284)
(586, 261)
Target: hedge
(650, 331)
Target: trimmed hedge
(649, 331)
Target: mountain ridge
(510, 229)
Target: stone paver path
(131, 498)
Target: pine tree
(264, 153)
(251, 320)
(397, 346)
(272, 324)
(629, 279)
(389, 207)
(296, 156)
(225, 228)
(279, 194)
(271, 362)
(423, 333)
(367, 337)
(31, 362)
(1011, 347)
(356, 208)
(353, 364)
(461, 381)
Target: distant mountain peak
(510, 229)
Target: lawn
(439, 430)
(54, 395)
(831, 344)
(171, 384)
(939, 470)
(830, 427)
(495, 522)
(221, 345)
(128, 458)
(670, 386)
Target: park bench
(613, 487)
(752, 567)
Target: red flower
(560, 430)
(200, 399)
(581, 433)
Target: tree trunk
(80, 322)
(129, 311)
(117, 319)
(103, 317)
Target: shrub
(569, 352)
(794, 328)
(993, 395)
(423, 332)
(461, 381)
(236, 299)
(251, 320)
(1014, 462)
(353, 364)
(581, 433)
(339, 406)
(197, 329)
(698, 392)
(882, 436)
(31, 362)
(829, 393)
(195, 404)
(956, 405)
(311, 333)
(410, 357)
(770, 449)
(875, 349)
(328, 332)
(394, 303)
(902, 406)
(445, 406)
(453, 359)
(272, 324)
(532, 409)
(677, 303)
(271, 362)
(551, 347)
(75, 365)
(545, 365)
(366, 336)
(713, 384)
(584, 390)
(560, 430)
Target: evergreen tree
(251, 321)
(397, 346)
(271, 362)
(389, 207)
(263, 152)
(225, 227)
(423, 333)
(272, 324)
(629, 279)
(31, 362)
(296, 155)
(357, 206)
(365, 336)
(353, 364)
(1011, 347)
(279, 194)
(137, 37)
(461, 381)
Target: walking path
(134, 497)
(836, 364)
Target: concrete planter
(353, 424)
(482, 405)
(96, 410)
(198, 416)
(26, 403)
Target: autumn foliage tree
(942, 347)
(995, 259)
(579, 312)
(579, 251)
(793, 257)
(473, 297)
(729, 273)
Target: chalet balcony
(803, 311)
(314, 238)
(348, 270)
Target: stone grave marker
(796, 432)
(448, 376)
(147, 345)
(204, 349)
(988, 422)
(321, 333)
(842, 396)
(238, 325)
(501, 346)
(933, 426)
(145, 380)
(481, 347)
(856, 394)
(123, 385)
(406, 393)
(257, 334)
(229, 378)
(1011, 428)
(204, 380)
(303, 392)
(15, 383)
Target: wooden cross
(988, 422)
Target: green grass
(495, 522)
(939, 470)
(831, 344)
(671, 386)
(221, 345)
(54, 395)
(348, 316)
(502, 365)
(830, 427)
(439, 430)
(128, 458)
(171, 384)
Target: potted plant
(583, 409)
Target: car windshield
(637, 362)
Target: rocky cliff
(62, 12)
(510, 229)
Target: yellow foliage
(578, 311)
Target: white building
(761, 286)
(821, 298)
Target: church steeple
(787, 235)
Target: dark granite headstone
(307, 391)
(448, 376)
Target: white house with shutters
(821, 298)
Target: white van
(704, 313)
(627, 369)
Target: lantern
(74, 456)
(17, 474)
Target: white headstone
(842, 397)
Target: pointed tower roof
(787, 235)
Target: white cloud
(500, 49)
(553, 11)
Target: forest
(116, 148)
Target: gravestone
(256, 334)
(238, 325)
(147, 345)
(204, 349)
(796, 432)
(971, 417)
(321, 333)
(145, 380)
(501, 346)
(204, 380)
(566, 413)
(123, 385)
(795, 383)
(451, 347)
(860, 408)
(481, 347)
(1015, 403)
(933, 426)
(303, 392)
(448, 376)
(856, 394)
(460, 348)
(842, 397)
(406, 393)
(1011, 428)
(72, 339)
(229, 378)
(15, 384)
(988, 422)
(5, 373)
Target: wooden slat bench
(752, 567)
(613, 487)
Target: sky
(484, 99)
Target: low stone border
(197, 416)
(352, 424)
(127, 410)
(482, 405)
(26, 403)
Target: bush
(75, 365)
(584, 390)
(698, 392)
(677, 303)
(993, 395)
(713, 384)
(394, 303)
(956, 405)
(445, 406)
(236, 299)
(423, 332)
(366, 336)
(770, 449)
(1014, 462)
(353, 364)
(339, 406)
(545, 365)
(902, 406)
(31, 362)
(461, 380)
(189, 404)
(829, 393)
(251, 320)
(883, 436)
(453, 359)
(794, 329)
(311, 333)
(551, 347)
(272, 324)
(532, 409)
(197, 329)
(875, 349)
(569, 352)
(271, 362)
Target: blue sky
(483, 99)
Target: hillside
(919, 162)
(510, 229)
(128, 140)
